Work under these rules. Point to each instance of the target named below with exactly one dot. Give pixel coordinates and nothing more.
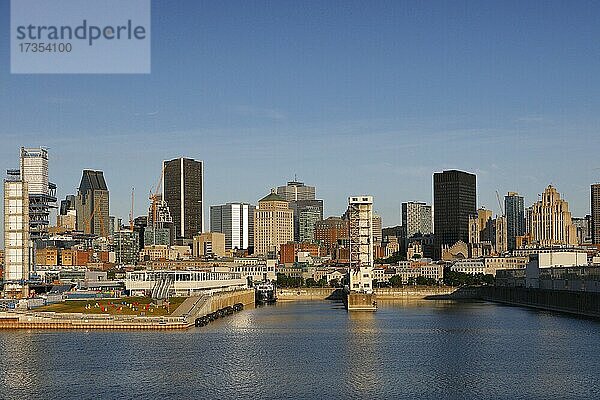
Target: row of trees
(453, 278)
(289, 282)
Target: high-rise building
(377, 229)
(160, 229)
(454, 201)
(273, 224)
(236, 221)
(183, 191)
(329, 231)
(92, 204)
(301, 198)
(515, 218)
(295, 191)
(501, 239)
(582, 226)
(42, 193)
(416, 219)
(307, 218)
(595, 207)
(127, 247)
(16, 235)
(360, 222)
(550, 220)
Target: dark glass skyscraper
(183, 191)
(515, 218)
(454, 201)
(595, 208)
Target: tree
(396, 281)
(334, 283)
(322, 282)
(310, 282)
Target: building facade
(92, 204)
(273, 224)
(454, 201)
(209, 244)
(329, 231)
(515, 218)
(302, 200)
(595, 207)
(236, 221)
(183, 191)
(550, 221)
(16, 237)
(360, 217)
(416, 219)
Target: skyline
(263, 92)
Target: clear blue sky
(353, 97)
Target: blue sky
(352, 97)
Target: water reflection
(315, 350)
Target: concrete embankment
(579, 303)
(182, 318)
(304, 294)
(412, 292)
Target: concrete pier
(361, 301)
(182, 318)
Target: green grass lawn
(123, 306)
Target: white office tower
(16, 236)
(360, 215)
(33, 166)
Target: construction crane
(155, 195)
(500, 203)
(131, 211)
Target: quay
(182, 318)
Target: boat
(265, 293)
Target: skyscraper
(595, 207)
(454, 201)
(515, 218)
(550, 220)
(16, 235)
(302, 201)
(183, 190)
(416, 219)
(92, 204)
(307, 218)
(42, 193)
(273, 224)
(236, 221)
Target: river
(316, 350)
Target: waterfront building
(515, 218)
(288, 253)
(595, 209)
(469, 266)
(209, 244)
(273, 224)
(92, 204)
(307, 209)
(16, 236)
(182, 283)
(416, 219)
(550, 221)
(408, 271)
(360, 222)
(236, 221)
(492, 264)
(454, 201)
(183, 191)
(541, 261)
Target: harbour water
(316, 350)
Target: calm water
(317, 350)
